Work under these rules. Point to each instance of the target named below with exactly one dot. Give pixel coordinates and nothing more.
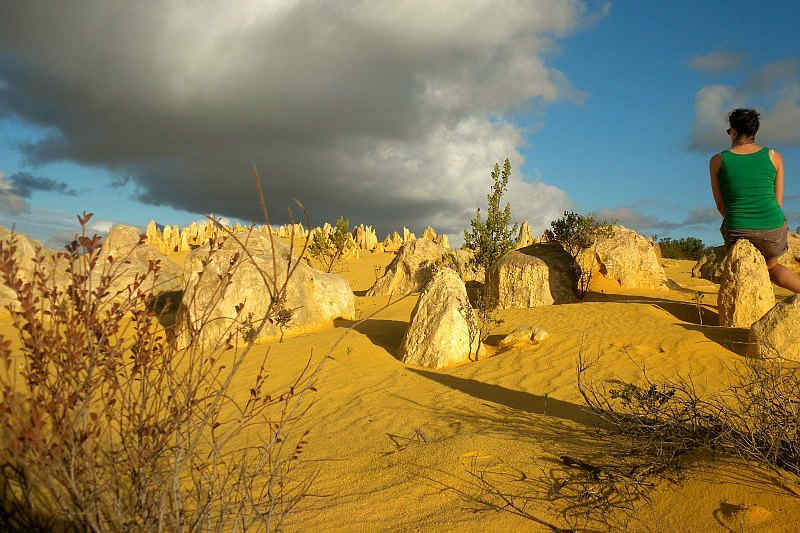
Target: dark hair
(744, 121)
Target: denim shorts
(772, 243)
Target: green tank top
(747, 183)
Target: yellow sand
(387, 439)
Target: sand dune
(390, 442)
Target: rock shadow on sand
(515, 399)
(683, 311)
(388, 334)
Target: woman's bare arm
(713, 167)
(777, 160)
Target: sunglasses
(728, 131)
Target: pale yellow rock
(444, 242)
(461, 261)
(429, 234)
(539, 335)
(521, 335)
(439, 334)
(628, 258)
(745, 291)
(410, 270)
(316, 298)
(524, 237)
(777, 333)
(539, 274)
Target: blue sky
(389, 116)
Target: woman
(747, 182)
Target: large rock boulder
(709, 266)
(745, 292)
(132, 256)
(628, 258)
(777, 333)
(442, 331)
(315, 298)
(460, 260)
(539, 274)
(24, 254)
(410, 270)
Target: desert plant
(489, 241)
(108, 424)
(686, 248)
(578, 234)
(329, 249)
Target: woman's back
(747, 183)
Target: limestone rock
(460, 261)
(392, 243)
(524, 237)
(315, 297)
(521, 335)
(777, 333)
(443, 241)
(628, 258)
(745, 291)
(439, 334)
(410, 269)
(539, 335)
(539, 274)
(26, 249)
(709, 266)
(430, 234)
(132, 257)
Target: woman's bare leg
(782, 276)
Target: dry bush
(106, 424)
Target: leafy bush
(329, 249)
(686, 248)
(577, 233)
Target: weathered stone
(777, 333)
(410, 269)
(524, 238)
(24, 255)
(443, 241)
(430, 234)
(315, 298)
(461, 261)
(439, 334)
(745, 291)
(709, 266)
(539, 274)
(539, 335)
(628, 258)
(521, 335)
(132, 257)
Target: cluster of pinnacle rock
(173, 239)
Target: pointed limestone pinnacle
(524, 238)
(429, 234)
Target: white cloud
(717, 62)
(776, 83)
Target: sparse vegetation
(329, 249)
(578, 234)
(489, 241)
(107, 424)
(686, 248)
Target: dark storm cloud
(379, 111)
(24, 184)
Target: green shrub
(329, 249)
(686, 248)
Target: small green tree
(489, 241)
(576, 233)
(329, 249)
